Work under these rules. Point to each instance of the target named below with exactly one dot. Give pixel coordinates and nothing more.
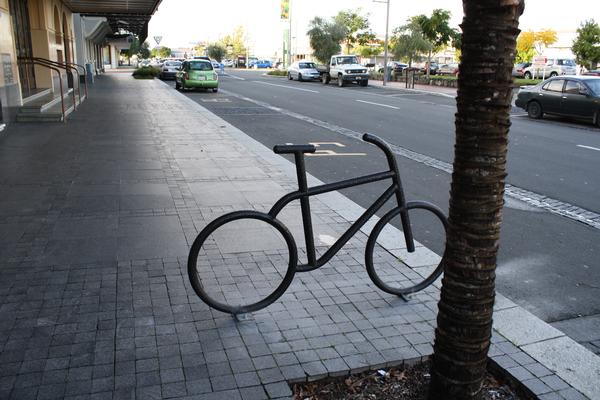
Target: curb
(415, 90)
(551, 348)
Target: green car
(197, 74)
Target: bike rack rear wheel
(372, 241)
(219, 222)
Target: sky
(182, 23)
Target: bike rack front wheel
(372, 241)
(219, 222)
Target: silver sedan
(303, 70)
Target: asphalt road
(548, 263)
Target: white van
(553, 67)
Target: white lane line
(286, 86)
(378, 104)
(588, 147)
(235, 77)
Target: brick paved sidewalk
(96, 219)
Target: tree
(356, 27)
(586, 46)
(161, 52)
(235, 42)
(144, 51)
(369, 50)
(531, 43)
(436, 30)
(325, 38)
(464, 322)
(216, 51)
(408, 42)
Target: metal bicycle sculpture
(303, 194)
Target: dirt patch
(409, 383)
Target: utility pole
(385, 45)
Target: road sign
(157, 39)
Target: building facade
(46, 44)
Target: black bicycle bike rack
(303, 194)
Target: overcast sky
(182, 23)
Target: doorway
(19, 11)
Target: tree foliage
(530, 43)
(356, 26)
(161, 52)
(586, 45)
(234, 43)
(408, 42)
(436, 30)
(325, 38)
(216, 51)
(144, 51)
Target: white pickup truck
(345, 68)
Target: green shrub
(277, 72)
(376, 76)
(525, 82)
(146, 73)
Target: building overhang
(122, 15)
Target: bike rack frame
(304, 193)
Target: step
(51, 114)
(42, 103)
(35, 94)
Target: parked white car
(303, 70)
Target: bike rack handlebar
(294, 148)
(367, 137)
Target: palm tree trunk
(464, 322)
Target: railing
(69, 68)
(62, 97)
(72, 66)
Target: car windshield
(569, 63)
(347, 60)
(201, 66)
(307, 65)
(173, 64)
(594, 84)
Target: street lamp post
(385, 45)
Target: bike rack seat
(294, 148)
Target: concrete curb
(414, 90)
(572, 362)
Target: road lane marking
(588, 147)
(378, 104)
(235, 77)
(286, 86)
(324, 152)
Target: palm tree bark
(464, 322)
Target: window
(572, 87)
(555, 85)
(200, 66)
(307, 65)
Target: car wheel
(527, 75)
(553, 74)
(597, 118)
(290, 77)
(534, 110)
(340, 80)
(364, 83)
(215, 90)
(299, 77)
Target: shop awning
(130, 15)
